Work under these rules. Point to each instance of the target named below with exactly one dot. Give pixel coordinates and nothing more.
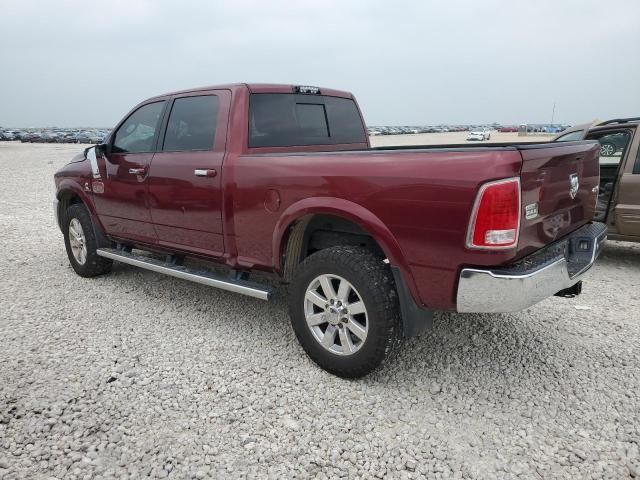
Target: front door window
(136, 134)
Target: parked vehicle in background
(553, 128)
(475, 135)
(619, 189)
(9, 135)
(55, 135)
(613, 144)
(281, 180)
(479, 134)
(31, 138)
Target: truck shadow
(463, 347)
(616, 253)
(521, 348)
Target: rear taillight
(495, 219)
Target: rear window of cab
(289, 119)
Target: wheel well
(66, 198)
(312, 233)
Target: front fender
(349, 211)
(68, 186)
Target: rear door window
(192, 124)
(284, 120)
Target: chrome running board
(252, 289)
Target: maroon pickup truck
(214, 184)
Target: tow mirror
(101, 149)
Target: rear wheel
(80, 242)
(344, 310)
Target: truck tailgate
(559, 184)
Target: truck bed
(424, 196)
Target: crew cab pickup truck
(281, 181)
(619, 200)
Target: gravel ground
(135, 374)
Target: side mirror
(102, 149)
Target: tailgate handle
(205, 172)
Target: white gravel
(136, 374)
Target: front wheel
(344, 310)
(81, 244)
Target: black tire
(93, 264)
(373, 280)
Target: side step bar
(251, 289)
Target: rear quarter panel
(423, 198)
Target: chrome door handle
(205, 172)
(137, 171)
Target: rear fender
(415, 318)
(349, 211)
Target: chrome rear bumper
(533, 278)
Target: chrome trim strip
(204, 278)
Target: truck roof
(258, 88)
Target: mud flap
(415, 319)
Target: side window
(312, 119)
(612, 145)
(636, 167)
(345, 122)
(192, 124)
(136, 134)
(571, 137)
(285, 120)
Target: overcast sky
(78, 63)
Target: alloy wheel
(77, 241)
(607, 149)
(336, 314)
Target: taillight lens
(495, 220)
